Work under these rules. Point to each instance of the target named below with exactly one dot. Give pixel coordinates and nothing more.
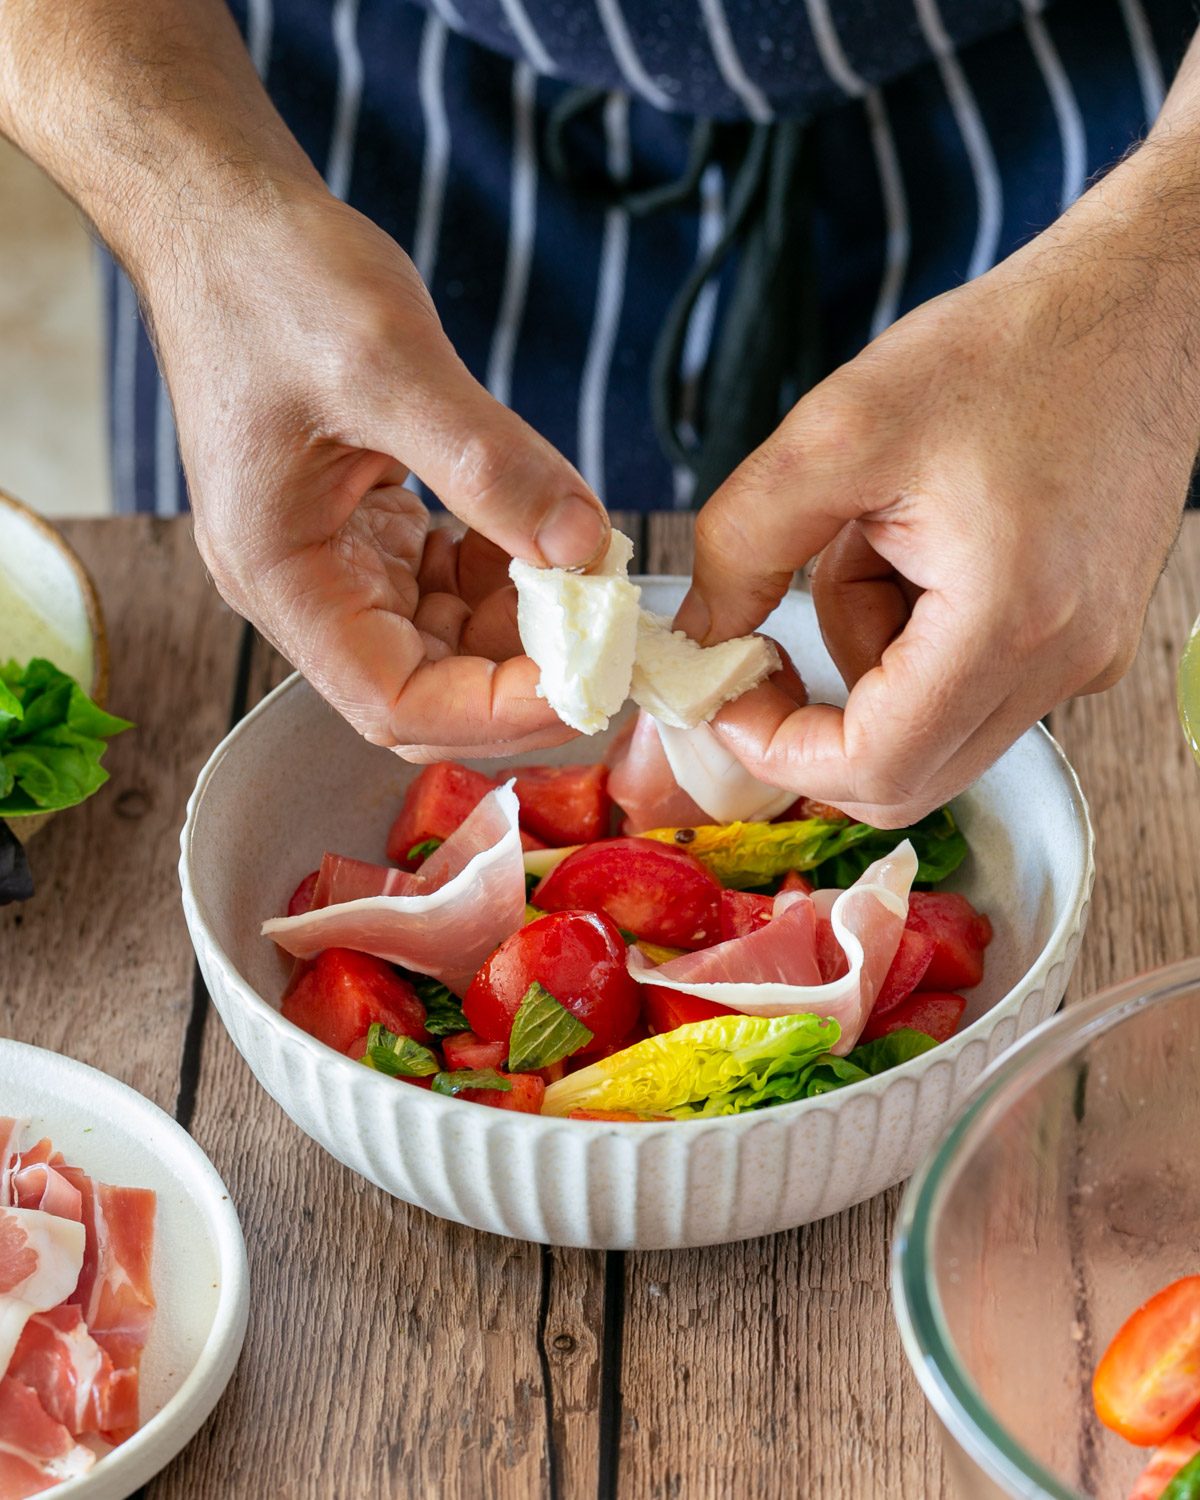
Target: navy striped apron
(571, 175)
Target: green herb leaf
(543, 1032)
(471, 1078)
(1186, 1483)
(52, 738)
(423, 850)
(398, 1056)
(443, 1012)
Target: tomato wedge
(1163, 1467)
(1148, 1383)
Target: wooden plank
(400, 1353)
(98, 965)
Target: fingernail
(572, 534)
(693, 617)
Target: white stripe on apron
(124, 393)
(1149, 69)
(1062, 97)
(725, 54)
(349, 97)
(523, 30)
(431, 68)
(522, 224)
(625, 53)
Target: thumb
(771, 516)
(486, 465)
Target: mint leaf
(423, 850)
(543, 1032)
(398, 1056)
(471, 1078)
(443, 1012)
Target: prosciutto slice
(40, 1260)
(36, 1452)
(114, 1290)
(642, 783)
(444, 920)
(717, 780)
(75, 1379)
(774, 971)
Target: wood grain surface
(392, 1354)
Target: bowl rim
(177, 1421)
(1007, 1005)
(924, 1333)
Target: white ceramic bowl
(293, 780)
(199, 1264)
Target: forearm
(150, 115)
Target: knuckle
(486, 465)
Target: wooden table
(392, 1354)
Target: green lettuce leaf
(471, 1078)
(744, 856)
(717, 1067)
(443, 1011)
(864, 1061)
(52, 739)
(398, 1056)
(1186, 1483)
(543, 1032)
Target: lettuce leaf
(744, 856)
(717, 1067)
(52, 738)
(864, 1061)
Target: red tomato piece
(831, 957)
(1163, 1467)
(657, 891)
(960, 934)
(564, 804)
(465, 1050)
(796, 880)
(579, 956)
(742, 912)
(525, 1096)
(343, 993)
(301, 901)
(437, 801)
(807, 807)
(936, 1015)
(912, 960)
(531, 840)
(666, 1009)
(1148, 1383)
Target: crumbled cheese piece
(684, 684)
(581, 629)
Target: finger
(861, 603)
(443, 617)
(787, 679)
(474, 703)
(423, 755)
(486, 465)
(482, 568)
(905, 718)
(492, 629)
(776, 511)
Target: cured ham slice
(443, 920)
(773, 971)
(74, 1378)
(714, 777)
(40, 1260)
(642, 783)
(114, 1289)
(36, 1452)
(11, 1134)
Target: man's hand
(309, 376)
(996, 483)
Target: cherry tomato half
(656, 891)
(579, 956)
(1148, 1383)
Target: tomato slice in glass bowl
(1147, 1386)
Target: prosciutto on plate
(774, 970)
(442, 920)
(642, 783)
(76, 1303)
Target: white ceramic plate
(293, 780)
(199, 1266)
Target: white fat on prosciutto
(773, 971)
(36, 1452)
(444, 920)
(41, 1257)
(715, 779)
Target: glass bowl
(1065, 1193)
